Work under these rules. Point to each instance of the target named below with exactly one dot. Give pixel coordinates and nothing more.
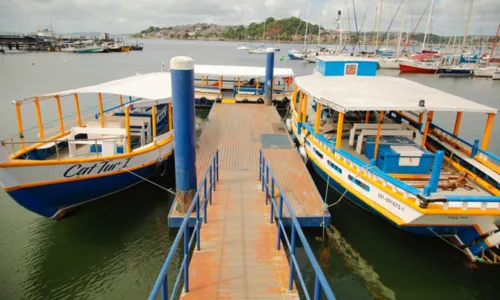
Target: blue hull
(49, 200)
(291, 56)
(466, 234)
(444, 72)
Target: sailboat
(421, 67)
(489, 70)
(461, 70)
(244, 46)
(261, 49)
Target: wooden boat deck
(237, 131)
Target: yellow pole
(487, 131)
(101, 110)
(318, 117)
(153, 119)
(304, 115)
(420, 118)
(127, 128)
(430, 115)
(120, 98)
(340, 126)
(239, 84)
(202, 80)
(299, 112)
(294, 98)
(379, 130)
(39, 119)
(59, 113)
(367, 117)
(257, 83)
(20, 123)
(77, 108)
(170, 125)
(457, 123)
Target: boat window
(359, 183)
(317, 153)
(335, 167)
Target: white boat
(496, 75)
(484, 71)
(310, 59)
(391, 63)
(370, 143)
(243, 47)
(260, 50)
(91, 156)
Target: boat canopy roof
(239, 71)
(327, 58)
(375, 93)
(151, 86)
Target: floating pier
(251, 184)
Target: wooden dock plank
(238, 259)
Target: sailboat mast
(264, 33)
(379, 20)
(375, 24)
(494, 44)
(467, 25)
(401, 30)
(307, 22)
(319, 22)
(428, 23)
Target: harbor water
(114, 248)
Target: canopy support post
(77, 108)
(304, 104)
(487, 131)
(170, 125)
(430, 115)
(101, 110)
(318, 117)
(379, 130)
(39, 119)
(20, 123)
(299, 112)
(294, 98)
(59, 114)
(367, 117)
(340, 126)
(458, 120)
(127, 129)
(239, 85)
(153, 120)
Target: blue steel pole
(205, 199)
(268, 88)
(186, 253)
(211, 182)
(435, 173)
(292, 255)
(280, 215)
(182, 70)
(164, 288)
(317, 289)
(272, 202)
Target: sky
(130, 16)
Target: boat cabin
(232, 84)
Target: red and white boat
(418, 67)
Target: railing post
(215, 176)
(211, 182)
(198, 223)
(292, 254)
(271, 202)
(267, 184)
(280, 215)
(164, 288)
(317, 289)
(217, 155)
(205, 200)
(186, 253)
(262, 173)
(260, 164)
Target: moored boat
(368, 140)
(484, 71)
(418, 67)
(243, 47)
(125, 48)
(259, 50)
(456, 71)
(92, 156)
(496, 75)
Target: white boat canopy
(151, 86)
(239, 71)
(366, 93)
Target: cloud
(128, 16)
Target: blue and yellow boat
(374, 140)
(91, 156)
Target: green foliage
(284, 28)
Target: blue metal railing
(208, 184)
(321, 284)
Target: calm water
(114, 248)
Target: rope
(455, 246)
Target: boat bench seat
(109, 139)
(358, 127)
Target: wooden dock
(239, 131)
(238, 257)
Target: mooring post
(182, 69)
(268, 88)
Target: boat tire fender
(160, 167)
